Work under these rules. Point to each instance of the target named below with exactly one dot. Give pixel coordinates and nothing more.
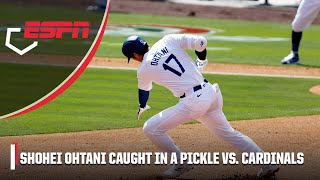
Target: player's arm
(198, 43)
(187, 41)
(144, 90)
(143, 99)
(202, 59)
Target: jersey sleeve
(143, 82)
(188, 41)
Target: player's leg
(188, 108)
(157, 126)
(307, 12)
(217, 123)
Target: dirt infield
(315, 90)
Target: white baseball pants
(207, 108)
(307, 12)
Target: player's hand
(201, 63)
(141, 110)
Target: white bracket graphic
(15, 49)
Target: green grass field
(107, 99)
(265, 53)
(22, 84)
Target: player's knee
(152, 130)
(148, 129)
(297, 27)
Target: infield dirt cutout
(315, 90)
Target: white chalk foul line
(220, 73)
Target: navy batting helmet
(133, 44)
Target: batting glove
(201, 63)
(141, 110)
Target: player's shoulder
(164, 41)
(167, 40)
(171, 36)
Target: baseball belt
(195, 88)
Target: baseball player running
(168, 64)
(307, 12)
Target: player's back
(169, 65)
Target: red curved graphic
(72, 77)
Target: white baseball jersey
(169, 65)
(307, 12)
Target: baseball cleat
(292, 58)
(177, 170)
(268, 171)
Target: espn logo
(48, 30)
(55, 29)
